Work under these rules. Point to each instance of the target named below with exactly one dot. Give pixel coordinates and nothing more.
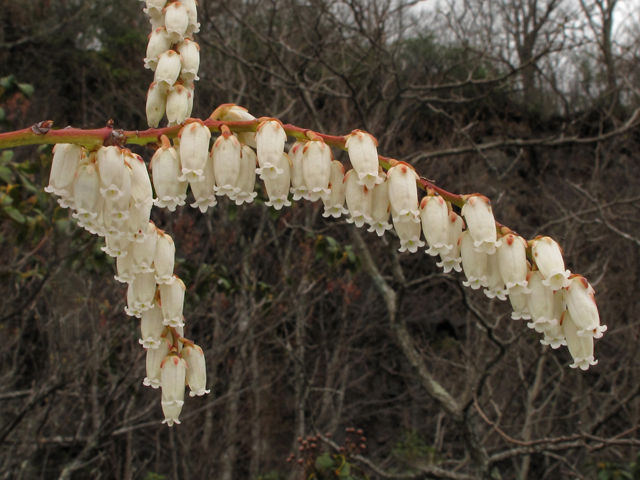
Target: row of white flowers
(174, 57)
(110, 191)
(112, 194)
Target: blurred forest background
(308, 325)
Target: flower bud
(278, 187)
(334, 204)
(474, 263)
(178, 105)
(168, 69)
(164, 260)
(66, 160)
(173, 375)
(196, 370)
(155, 356)
(496, 288)
(86, 192)
(409, 234)
(270, 139)
(233, 113)
(247, 176)
(176, 19)
(512, 256)
(519, 304)
(172, 302)
(434, 213)
(156, 104)
(403, 193)
(110, 163)
(125, 272)
(316, 168)
(141, 191)
(548, 257)
(190, 53)
(380, 208)
(159, 42)
(358, 200)
(452, 260)
(540, 303)
(581, 303)
(140, 294)
(165, 168)
(192, 9)
(363, 154)
(151, 327)
(298, 185)
(580, 346)
(194, 150)
(145, 252)
(227, 153)
(204, 192)
(482, 226)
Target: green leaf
(26, 89)
(6, 156)
(7, 82)
(344, 470)
(15, 214)
(324, 462)
(5, 174)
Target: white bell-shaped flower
(176, 20)
(145, 252)
(141, 191)
(278, 187)
(178, 108)
(86, 193)
(363, 153)
(110, 228)
(155, 356)
(403, 193)
(512, 256)
(172, 302)
(156, 104)
(227, 153)
(194, 150)
(138, 221)
(190, 89)
(66, 160)
(554, 334)
(434, 213)
(298, 186)
(580, 346)
(196, 370)
(110, 163)
(270, 139)
(173, 376)
(453, 259)
(474, 263)
(334, 205)
(151, 327)
(118, 208)
(519, 304)
(154, 6)
(359, 200)
(124, 264)
(380, 208)
(409, 234)
(247, 176)
(540, 303)
(140, 294)
(581, 303)
(164, 260)
(190, 53)
(159, 42)
(482, 226)
(116, 247)
(496, 288)
(204, 192)
(548, 257)
(316, 168)
(192, 9)
(165, 169)
(167, 70)
(98, 225)
(156, 20)
(229, 112)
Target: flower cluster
(174, 57)
(110, 191)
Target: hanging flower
(334, 204)
(164, 260)
(581, 303)
(358, 199)
(270, 138)
(151, 328)
(496, 287)
(580, 346)
(176, 19)
(403, 193)
(172, 302)
(66, 160)
(227, 154)
(316, 168)
(482, 226)
(155, 356)
(194, 150)
(278, 187)
(298, 185)
(409, 234)
(363, 154)
(380, 209)
(453, 259)
(512, 259)
(548, 257)
(196, 370)
(247, 176)
(474, 263)
(159, 42)
(173, 376)
(165, 169)
(190, 53)
(434, 213)
(540, 303)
